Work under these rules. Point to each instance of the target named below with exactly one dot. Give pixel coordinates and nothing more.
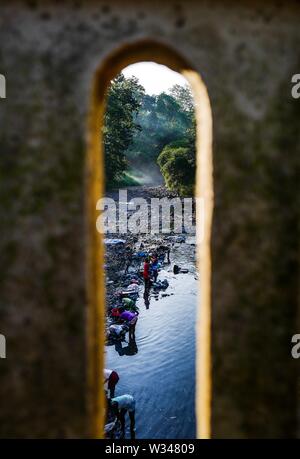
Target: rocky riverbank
(115, 259)
(155, 361)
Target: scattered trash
(113, 430)
(178, 239)
(129, 294)
(133, 288)
(160, 284)
(124, 265)
(114, 242)
(140, 254)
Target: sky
(154, 77)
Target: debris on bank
(133, 264)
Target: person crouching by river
(130, 318)
(146, 273)
(111, 379)
(120, 405)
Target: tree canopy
(142, 130)
(124, 99)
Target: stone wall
(246, 55)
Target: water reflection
(147, 298)
(130, 349)
(157, 367)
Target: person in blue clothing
(120, 406)
(154, 267)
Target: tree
(124, 99)
(183, 95)
(177, 163)
(177, 159)
(162, 120)
(141, 131)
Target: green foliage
(163, 119)
(178, 164)
(125, 181)
(141, 130)
(123, 102)
(184, 97)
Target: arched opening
(146, 51)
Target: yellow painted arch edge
(111, 65)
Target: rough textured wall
(246, 55)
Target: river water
(158, 368)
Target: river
(158, 369)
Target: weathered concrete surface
(246, 56)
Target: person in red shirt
(115, 313)
(146, 273)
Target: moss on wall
(246, 55)
(255, 272)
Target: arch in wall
(145, 50)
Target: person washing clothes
(129, 318)
(129, 304)
(111, 379)
(120, 406)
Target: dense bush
(177, 164)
